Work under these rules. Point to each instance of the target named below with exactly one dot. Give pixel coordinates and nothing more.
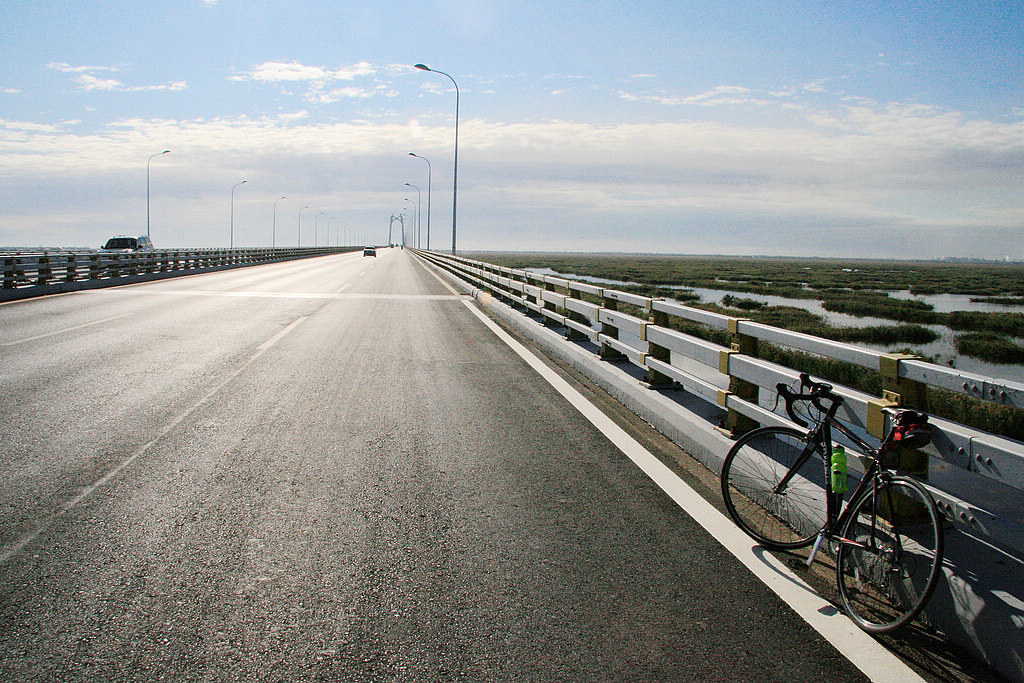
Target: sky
(785, 128)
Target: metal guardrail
(977, 478)
(743, 385)
(26, 274)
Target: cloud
(278, 72)
(88, 81)
(319, 80)
(930, 176)
(718, 96)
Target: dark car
(122, 243)
(370, 251)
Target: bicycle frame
(835, 513)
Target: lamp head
(422, 67)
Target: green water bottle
(839, 470)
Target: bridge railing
(26, 274)
(984, 498)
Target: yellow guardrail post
(899, 391)
(655, 379)
(607, 352)
(737, 423)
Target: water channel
(942, 350)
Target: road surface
(330, 469)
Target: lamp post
(298, 239)
(316, 228)
(231, 243)
(455, 179)
(148, 163)
(428, 195)
(419, 203)
(273, 234)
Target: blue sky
(888, 129)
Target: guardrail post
(43, 272)
(736, 422)
(547, 305)
(899, 391)
(571, 333)
(607, 352)
(655, 379)
(71, 269)
(9, 272)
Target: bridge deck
(328, 470)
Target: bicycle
(778, 486)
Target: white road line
(14, 548)
(64, 330)
(861, 649)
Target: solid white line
(861, 649)
(62, 331)
(14, 548)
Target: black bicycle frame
(821, 436)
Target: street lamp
(166, 151)
(231, 243)
(273, 234)
(428, 195)
(419, 203)
(316, 228)
(298, 239)
(455, 179)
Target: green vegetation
(791, 277)
(801, 320)
(1000, 300)
(990, 346)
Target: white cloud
(88, 81)
(277, 72)
(317, 78)
(718, 96)
(883, 167)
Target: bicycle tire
(885, 581)
(754, 466)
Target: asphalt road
(331, 470)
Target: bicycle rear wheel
(756, 464)
(890, 555)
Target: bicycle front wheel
(890, 555)
(775, 515)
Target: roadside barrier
(976, 478)
(30, 274)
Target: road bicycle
(785, 488)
